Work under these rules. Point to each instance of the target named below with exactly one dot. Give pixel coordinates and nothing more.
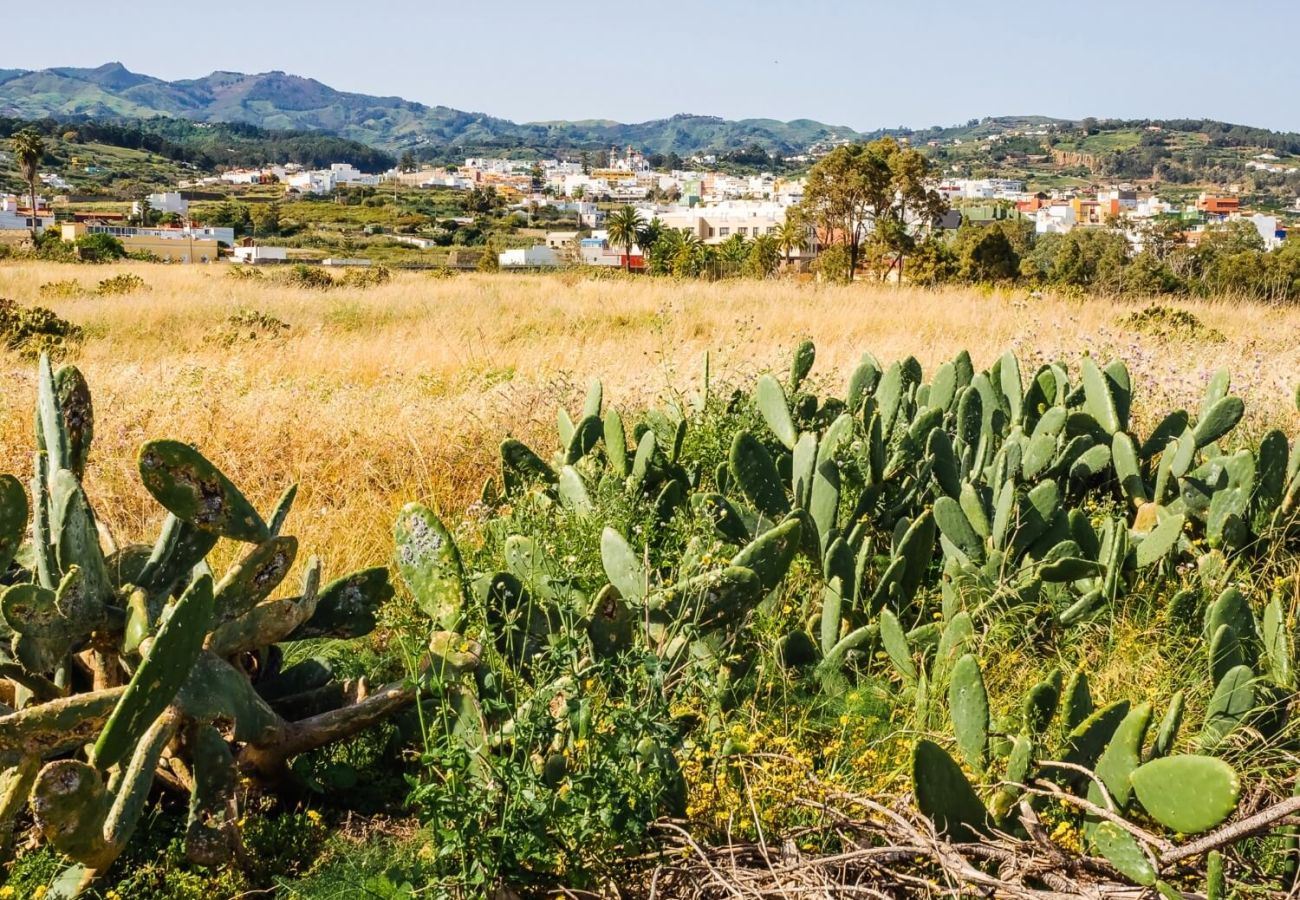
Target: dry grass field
(403, 391)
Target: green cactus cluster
(123, 666)
(904, 523)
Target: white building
(55, 181)
(242, 176)
(324, 181)
(411, 240)
(259, 254)
(528, 257)
(211, 233)
(559, 240)
(717, 222)
(1119, 201)
(1058, 218)
(310, 182)
(596, 251)
(1267, 226)
(12, 220)
(447, 180)
(168, 202)
(344, 173)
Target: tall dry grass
(405, 391)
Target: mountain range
(276, 100)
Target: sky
(862, 64)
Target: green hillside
(96, 167)
(276, 100)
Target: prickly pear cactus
(894, 540)
(110, 658)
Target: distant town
(697, 199)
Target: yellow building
(169, 244)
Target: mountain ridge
(281, 100)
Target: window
(710, 231)
(742, 231)
(723, 232)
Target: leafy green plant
(125, 283)
(99, 247)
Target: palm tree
(624, 226)
(732, 252)
(29, 150)
(790, 237)
(691, 256)
(763, 256)
(663, 250)
(650, 233)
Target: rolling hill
(280, 101)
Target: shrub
(248, 325)
(364, 278)
(125, 283)
(99, 247)
(50, 245)
(833, 263)
(32, 330)
(1170, 323)
(310, 277)
(67, 289)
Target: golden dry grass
(405, 391)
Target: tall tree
(29, 150)
(916, 205)
(624, 226)
(266, 219)
(857, 188)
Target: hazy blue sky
(863, 64)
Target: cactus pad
(944, 795)
(430, 564)
(1188, 794)
(161, 673)
(195, 491)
